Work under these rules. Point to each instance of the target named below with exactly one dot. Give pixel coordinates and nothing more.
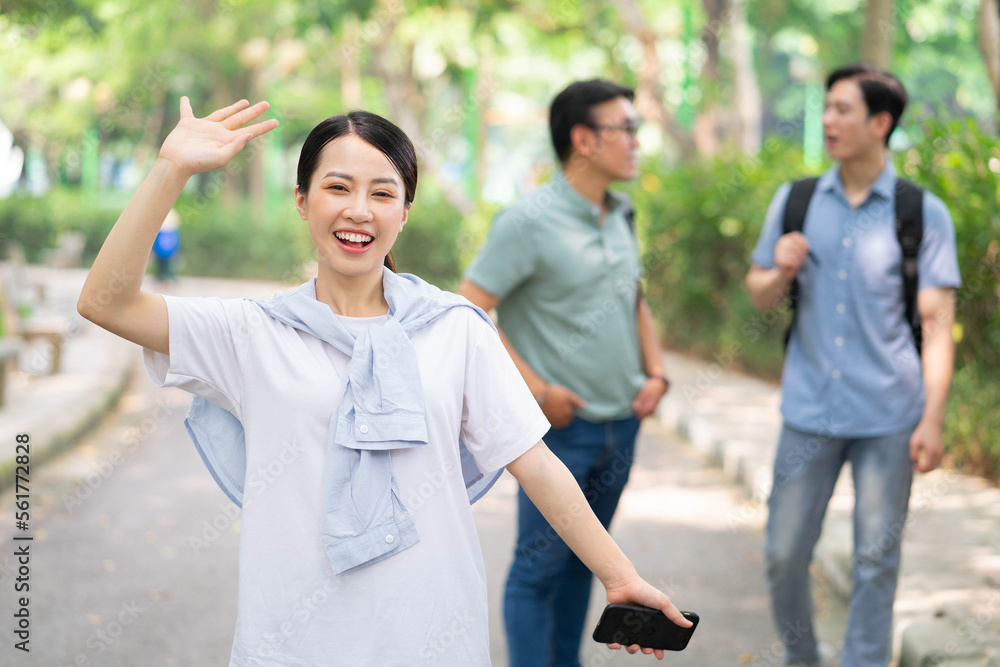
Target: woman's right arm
(112, 295)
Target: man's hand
(926, 447)
(559, 405)
(649, 397)
(790, 253)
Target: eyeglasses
(630, 127)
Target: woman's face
(356, 206)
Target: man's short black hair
(572, 107)
(880, 90)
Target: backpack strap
(910, 232)
(630, 216)
(794, 220)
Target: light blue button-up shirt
(851, 368)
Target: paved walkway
(948, 606)
(57, 409)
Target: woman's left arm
(554, 491)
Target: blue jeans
(545, 603)
(806, 468)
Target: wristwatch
(541, 397)
(663, 379)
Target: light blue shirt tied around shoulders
(381, 409)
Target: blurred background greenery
(731, 91)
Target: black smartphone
(628, 624)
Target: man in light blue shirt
(562, 269)
(855, 387)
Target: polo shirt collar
(883, 187)
(581, 207)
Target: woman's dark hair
(572, 106)
(880, 90)
(375, 130)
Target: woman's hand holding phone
(639, 592)
(633, 625)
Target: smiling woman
(357, 177)
(389, 162)
(371, 502)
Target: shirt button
(839, 341)
(389, 539)
(840, 308)
(847, 242)
(842, 275)
(836, 375)
(364, 428)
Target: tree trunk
(710, 37)
(706, 131)
(989, 42)
(745, 88)
(155, 128)
(408, 104)
(649, 92)
(709, 119)
(254, 157)
(350, 68)
(876, 39)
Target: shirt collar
(884, 185)
(581, 207)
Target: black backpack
(909, 232)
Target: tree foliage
(437, 67)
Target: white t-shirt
(425, 605)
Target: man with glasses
(562, 269)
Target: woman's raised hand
(203, 144)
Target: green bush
(961, 164)
(974, 421)
(34, 223)
(429, 245)
(698, 224)
(239, 241)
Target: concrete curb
(57, 411)
(930, 643)
(745, 451)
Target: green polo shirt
(567, 286)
